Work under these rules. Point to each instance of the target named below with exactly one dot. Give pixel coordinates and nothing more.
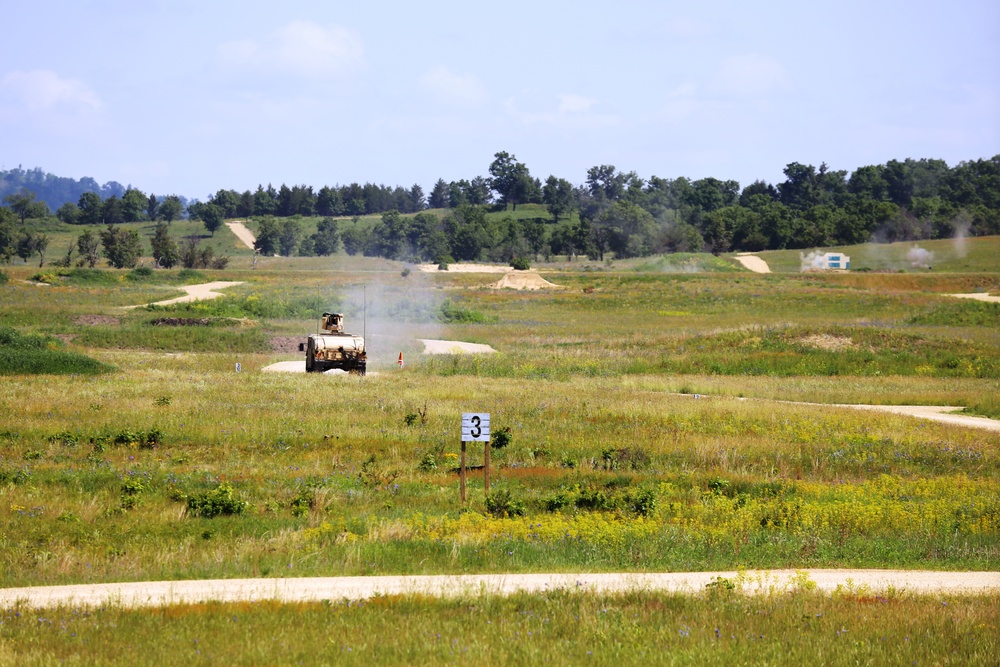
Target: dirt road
(242, 233)
(195, 293)
(978, 296)
(938, 413)
(159, 593)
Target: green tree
(88, 244)
(8, 234)
(439, 195)
(268, 235)
(25, 246)
(389, 236)
(134, 204)
(165, 250)
(508, 178)
(122, 247)
(68, 213)
(171, 208)
(631, 229)
(212, 215)
(112, 211)
(559, 197)
(533, 231)
(90, 206)
(152, 207)
(355, 240)
(326, 240)
(23, 203)
(329, 202)
(245, 208)
(288, 239)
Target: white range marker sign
(475, 427)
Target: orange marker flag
(400, 362)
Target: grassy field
(560, 628)
(165, 463)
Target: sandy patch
(465, 268)
(751, 582)
(828, 342)
(753, 262)
(454, 347)
(196, 293)
(978, 296)
(522, 280)
(300, 367)
(242, 233)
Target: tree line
(618, 213)
(612, 212)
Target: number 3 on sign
(475, 427)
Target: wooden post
(462, 475)
(486, 469)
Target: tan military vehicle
(332, 348)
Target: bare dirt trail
(753, 262)
(977, 296)
(161, 593)
(200, 292)
(938, 413)
(242, 233)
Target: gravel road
(159, 593)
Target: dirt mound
(97, 321)
(529, 280)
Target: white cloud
(569, 103)
(300, 48)
(750, 76)
(571, 111)
(451, 87)
(42, 90)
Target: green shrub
(222, 500)
(501, 503)
(451, 312)
(500, 438)
(83, 276)
(3, 278)
(26, 354)
(520, 264)
(140, 274)
(47, 278)
(303, 501)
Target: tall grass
(557, 627)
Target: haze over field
(185, 97)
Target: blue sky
(188, 97)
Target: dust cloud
(919, 258)
(392, 315)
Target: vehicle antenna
(364, 316)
